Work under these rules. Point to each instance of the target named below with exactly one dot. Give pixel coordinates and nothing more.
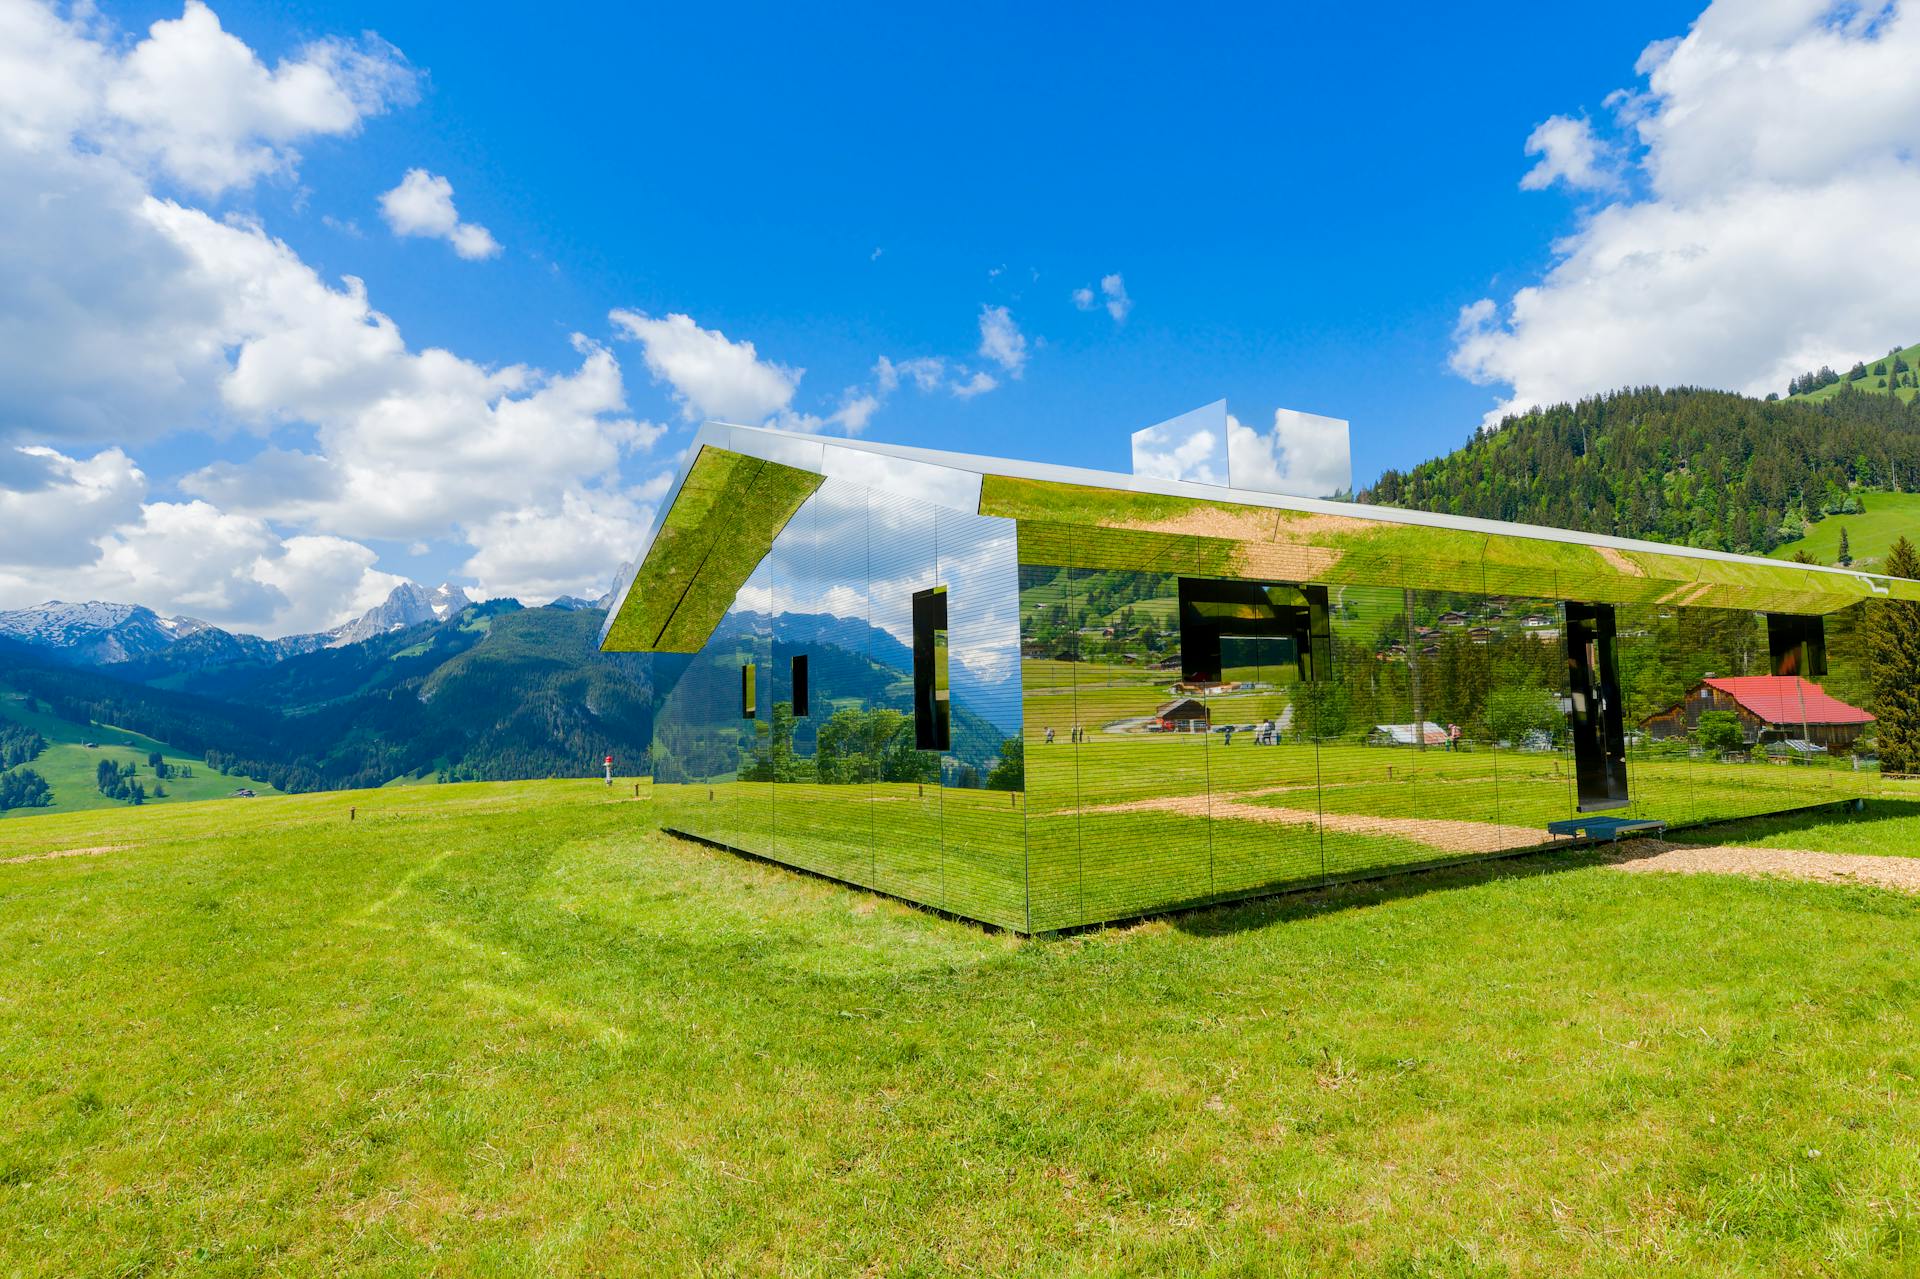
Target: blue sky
(1413, 224)
(1298, 211)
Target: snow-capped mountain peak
(409, 604)
(96, 632)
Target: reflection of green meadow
(1124, 824)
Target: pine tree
(1892, 637)
(1846, 552)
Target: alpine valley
(429, 685)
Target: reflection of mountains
(852, 658)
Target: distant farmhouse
(1772, 708)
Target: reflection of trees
(1009, 772)
(1663, 653)
(777, 762)
(866, 745)
(1323, 710)
(1514, 710)
(1057, 604)
(1892, 643)
(1720, 731)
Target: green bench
(1611, 829)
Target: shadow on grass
(1284, 906)
(1867, 814)
(1289, 906)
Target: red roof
(1788, 699)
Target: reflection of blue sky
(1191, 447)
(859, 555)
(1304, 455)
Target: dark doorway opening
(1593, 709)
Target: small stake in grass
(353, 813)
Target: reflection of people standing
(1049, 737)
(1453, 737)
(1229, 740)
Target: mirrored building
(1042, 697)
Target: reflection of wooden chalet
(1453, 617)
(1188, 714)
(1482, 634)
(1771, 708)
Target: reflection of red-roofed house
(1770, 707)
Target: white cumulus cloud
(423, 205)
(1113, 290)
(190, 101)
(135, 314)
(1758, 232)
(1002, 341)
(1570, 153)
(710, 375)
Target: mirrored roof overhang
(740, 486)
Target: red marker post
(609, 767)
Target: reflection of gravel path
(1656, 855)
(62, 852)
(1435, 832)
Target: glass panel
(906, 792)
(1049, 656)
(1139, 741)
(821, 639)
(983, 772)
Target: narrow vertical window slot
(931, 708)
(799, 685)
(747, 704)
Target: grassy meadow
(509, 1029)
(71, 766)
(1870, 534)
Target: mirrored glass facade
(1149, 703)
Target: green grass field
(508, 1029)
(1869, 534)
(70, 766)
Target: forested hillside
(1703, 468)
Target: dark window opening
(747, 702)
(1253, 631)
(1797, 644)
(932, 730)
(1593, 709)
(799, 683)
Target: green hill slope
(1696, 467)
(1869, 534)
(1897, 373)
(74, 751)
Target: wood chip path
(1656, 856)
(1435, 832)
